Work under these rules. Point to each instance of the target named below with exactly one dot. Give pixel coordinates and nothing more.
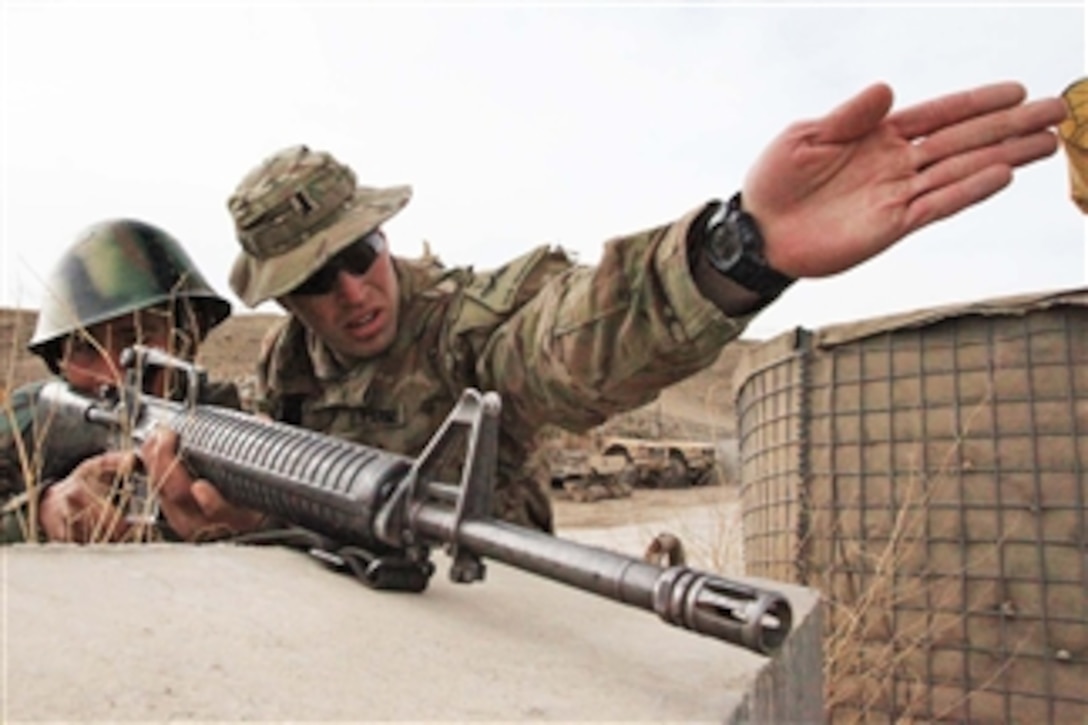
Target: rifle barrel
(702, 602)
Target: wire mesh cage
(928, 473)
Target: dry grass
(124, 507)
(713, 538)
(16, 328)
(871, 655)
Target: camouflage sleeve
(265, 402)
(17, 462)
(222, 393)
(596, 341)
(17, 449)
(15, 521)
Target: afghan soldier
(122, 282)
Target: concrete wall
(216, 632)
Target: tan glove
(1073, 132)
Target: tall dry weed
(886, 616)
(128, 501)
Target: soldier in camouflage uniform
(384, 364)
(121, 282)
(377, 349)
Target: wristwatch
(733, 245)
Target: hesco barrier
(928, 473)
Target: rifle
(377, 514)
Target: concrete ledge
(218, 632)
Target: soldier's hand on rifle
(193, 507)
(81, 508)
(830, 193)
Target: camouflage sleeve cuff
(695, 314)
(16, 525)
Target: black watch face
(725, 246)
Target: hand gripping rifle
(377, 514)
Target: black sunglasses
(357, 258)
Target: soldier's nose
(349, 287)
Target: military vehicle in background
(663, 463)
(586, 476)
(613, 466)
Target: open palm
(831, 193)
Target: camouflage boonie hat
(295, 211)
(117, 267)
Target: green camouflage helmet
(115, 268)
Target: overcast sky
(516, 124)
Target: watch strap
(746, 266)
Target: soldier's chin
(371, 345)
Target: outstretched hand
(831, 193)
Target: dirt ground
(645, 506)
